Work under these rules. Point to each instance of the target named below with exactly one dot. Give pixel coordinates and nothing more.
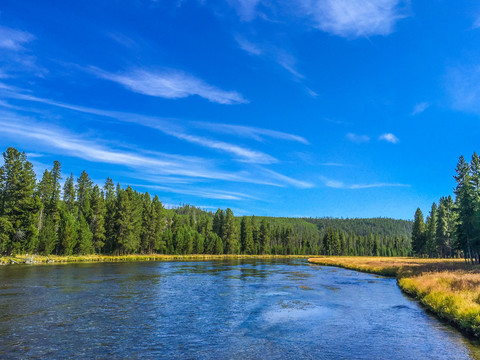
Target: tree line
(85, 218)
(452, 227)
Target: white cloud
(90, 150)
(376, 185)
(243, 154)
(463, 87)
(170, 84)
(248, 46)
(333, 164)
(476, 23)
(389, 137)
(272, 53)
(250, 132)
(334, 184)
(357, 138)
(288, 62)
(11, 39)
(341, 185)
(354, 18)
(312, 93)
(198, 192)
(164, 125)
(291, 181)
(419, 108)
(246, 9)
(146, 163)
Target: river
(263, 309)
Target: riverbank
(449, 288)
(56, 259)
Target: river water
(267, 309)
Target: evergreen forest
(80, 217)
(452, 227)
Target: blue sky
(345, 108)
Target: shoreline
(25, 259)
(447, 288)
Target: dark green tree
(418, 233)
(246, 236)
(19, 206)
(230, 233)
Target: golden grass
(447, 287)
(56, 259)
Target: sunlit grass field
(450, 288)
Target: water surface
(239, 309)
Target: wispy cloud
(90, 150)
(202, 193)
(15, 57)
(355, 18)
(149, 163)
(356, 138)
(12, 39)
(476, 23)
(288, 180)
(248, 46)
(246, 9)
(389, 137)
(271, 52)
(165, 126)
(243, 154)
(333, 164)
(250, 132)
(170, 84)
(463, 87)
(341, 185)
(420, 108)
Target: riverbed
(235, 309)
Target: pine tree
(199, 242)
(160, 225)
(431, 232)
(418, 233)
(475, 188)
(148, 225)
(218, 223)
(85, 237)
(55, 195)
(69, 194)
(20, 206)
(97, 221)
(48, 237)
(230, 233)
(83, 190)
(445, 227)
(466, 210)
(128, 219)
(246, 236)
(264, 237)
(110, 216)
(218, 245)
(68, 232)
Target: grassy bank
(55, 259)
(447, 287)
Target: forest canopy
(452, 227)
(82, 217)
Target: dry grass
(448, 287)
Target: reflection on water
(238, 309)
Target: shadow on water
(269, 309)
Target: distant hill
(365, 226)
